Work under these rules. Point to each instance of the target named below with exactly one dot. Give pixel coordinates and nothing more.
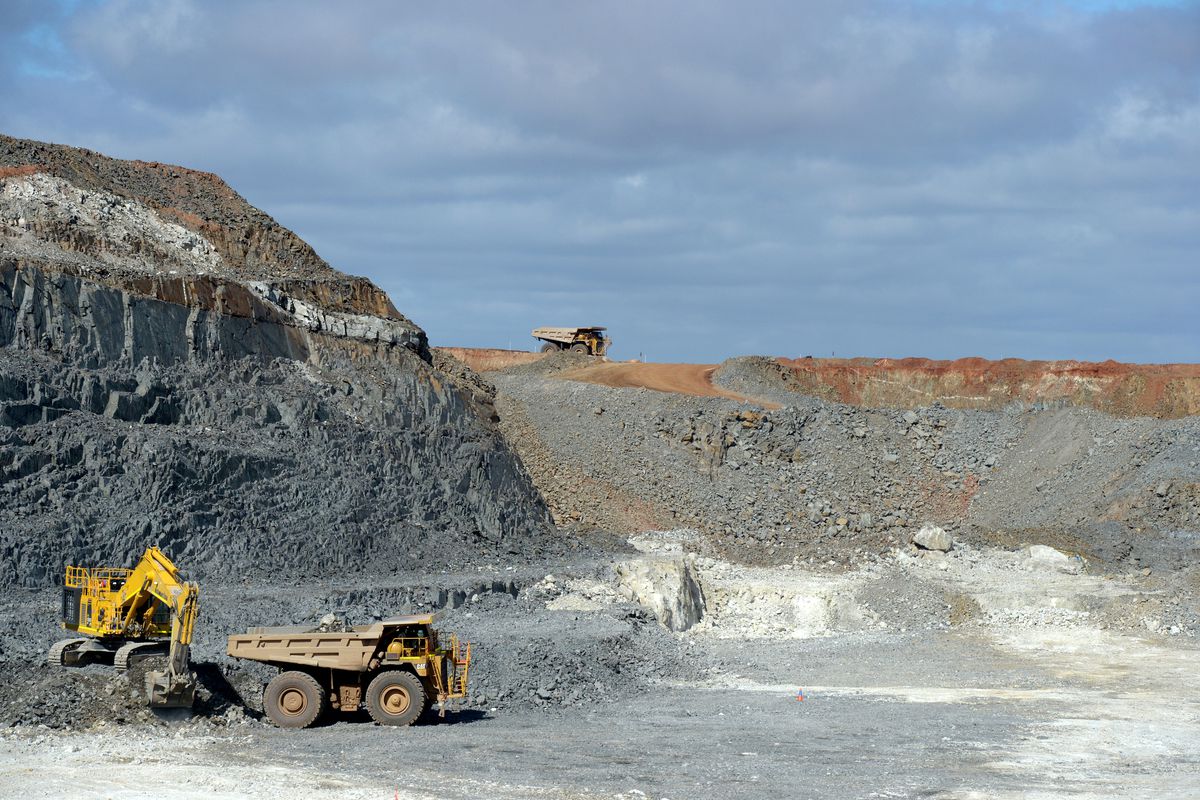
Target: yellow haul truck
(127, 614)
(588, 341)
(396, 668)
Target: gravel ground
(1021, 697)
(902, 716)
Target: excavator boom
(176, 687)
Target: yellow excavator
(125, 615)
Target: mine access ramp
(397, 668)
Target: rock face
(177, 368)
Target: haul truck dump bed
(397, 668)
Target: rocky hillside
(178, 368)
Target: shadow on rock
(216, 696)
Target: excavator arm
(155, 577)
(177, 687)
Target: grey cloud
(823, 78)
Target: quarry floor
(1031, 699)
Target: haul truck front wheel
(294, 700)
(395, 698)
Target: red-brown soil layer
(485, 359)
(1161, 390)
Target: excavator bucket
(166, 691)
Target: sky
(708, 179)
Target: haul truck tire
(579, 347)
(395, 697)
(549, 348)
(294, 700)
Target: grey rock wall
(176, 368)
(244, 445)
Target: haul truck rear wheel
(395, 698)
(294, 700)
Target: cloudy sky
(925, 178)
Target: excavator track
(60, 652)
(132, 652)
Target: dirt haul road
(692, 379)
(489, 359)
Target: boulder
(1043, 556)
(931, 537)
(667, 587)
(1044, 553)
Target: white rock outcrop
(931, 537)
(667, 587)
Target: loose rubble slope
(838, 480)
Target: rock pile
(528, 656)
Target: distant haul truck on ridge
(589, 341)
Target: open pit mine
(769, 577)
